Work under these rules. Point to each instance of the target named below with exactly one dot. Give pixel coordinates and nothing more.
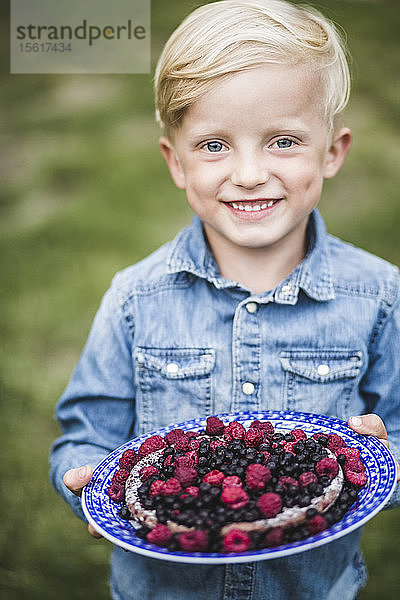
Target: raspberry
(307, 477)
(146, 472)
(186, 475)
(236, 540)
(153, 443)
(236, 430)
(298, 434)
(358, 479)
(234, 496)
(128, 459)
(354, 464)
(273, 537)
(285, 481)
(317, 524)
(350, 452)
(171, 487)
(116, 492)
(173, 436)
(120, 476)
(159, 535)
(265, 426)
(327, 466)
(214, 426)
(214, 478)
(182, 443)
(156, 488)
(253, 438)
(269, 504)
(288, 446)
(184, 461)
(335, 442)
(192, 490)
(194, 443)
(257, 476)
(193, 541)
(232, 481)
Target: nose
(249, 170)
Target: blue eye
(214, 146)
(284, 143)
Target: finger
(93, 532)
(76, 479)
(370, 425)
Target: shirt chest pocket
(173, 385)
(320, 381)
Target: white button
(172, 368)
(323, 369)
(252, 307)
(286, 289)
(248, 388)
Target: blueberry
(304, 500)
(125, 513)
(341, 458)
(311, 513)
(289, 437)
(323, 440)
(299, 446)
(141, 532)
(324, 480)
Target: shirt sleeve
(96, 413)
(381, 385)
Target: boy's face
(252, 155)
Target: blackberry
(323, 440)
(278, 437)
(289, 437)
(341, 458)
(204, 488)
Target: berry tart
(230, 489)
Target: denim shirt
(174, 340)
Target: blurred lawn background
(85, 193)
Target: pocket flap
(177, 363)
(322, 366)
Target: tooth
(270, 203)
(235, 205)
(257, 207)
(263, 206)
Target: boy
(253, 306)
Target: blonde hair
(229, 36)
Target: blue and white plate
(380, 467)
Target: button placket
(246, 345)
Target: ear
(172, 160)
(337, 152)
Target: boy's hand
(75, 480)
(372, 425)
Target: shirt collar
(190, 253)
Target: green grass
(84, 193)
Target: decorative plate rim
(102, 513)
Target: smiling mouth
(253, 205)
